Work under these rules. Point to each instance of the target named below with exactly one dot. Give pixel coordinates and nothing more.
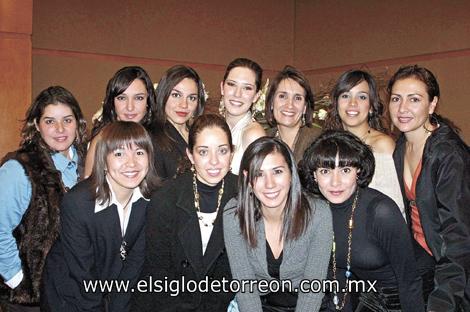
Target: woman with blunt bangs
(33, 180)
(358, 109)
(289, 111)
(240, 88)
(184, 236)
(371, 243)
(433, 167)
(102, 225)
(180, 97)
(130, 96)
(275, 232)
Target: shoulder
(319, 207)
(382, 143)
(12, 169)
(380, 206)
(307, 135)
(252, 132)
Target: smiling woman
(184, 234)
(102, 225)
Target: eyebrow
(50, 117)
(204, 146)
(244, 83)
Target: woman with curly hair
(34, 178)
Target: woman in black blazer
(102, 226)
(184, 233)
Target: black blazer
(174, 250)
(443, 197)
(88, 248)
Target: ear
(36, 125)
(245, 173)
(433, 105)
(305, 108)
(222, 88)
(190, 156)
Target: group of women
(156, 201)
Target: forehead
(409, 85)
(290, 86)
(242, 74)
(187, 84)
(273, 160)
(211, 136)
(137, 86)
(362, 86)
(56, 110)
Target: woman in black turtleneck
(184, 235)
(377, 249)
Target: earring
(370, 115)
(105, 172)
(192, 168)
(222, 106)
(303, 119)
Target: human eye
(140, 97)
(175, 94)
(344, 96)
(118, 153)
(193, 98)
(278, 171)
(415, 99)
(69, 120)
(49, 121)
(230, 83)
(282, 96)
(223, 150)
(395, 99)
(248, 88)
(299, 98)
(202, 152)
(323, 171)
(363, 97)
(121, 97)
(346, 170)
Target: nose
(402, 107)
(290, 102)
(214, 158)
(352, 101)
(269, 181)
(130, 105)
(238, 92)
(59, 127)
(184, 103)
(130, 161)
(336, 179)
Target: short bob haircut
(53, 95)
(246, 63)
(208, 121)
(345, 83)
(297, 212)
(115, 135)
(289, 72)
(121, 80)
(169, 80)
(352, 152)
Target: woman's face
(272, 184)
(239, 91)
(126, 168)
(58, 127)
(289, 103)
(337, 185)
(182, 102)
(211, 155)
(410, 105)
(131, 105)
(354, 106)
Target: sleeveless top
(237, 135)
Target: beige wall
(80, 44)
(15, 68)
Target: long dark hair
(121, 80)
(290, 72)
(169, 80)
(345, 83)
(352, 152)
(113, 136)
(297, 212)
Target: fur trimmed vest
(39, 226)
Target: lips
(236, 103)
(336, 193)
(131, 174)
(288, 113)
(213, 172)
(352, 113)
(61, 138)
(182, 114)
(271, 195)
(130, 116)
(404, 119)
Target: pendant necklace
(198, 208)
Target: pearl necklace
(348, 273)
(196, 202)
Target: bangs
(347, 156)
(126, 135)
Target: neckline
(347, 204)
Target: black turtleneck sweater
(381, 246)
(208, 196)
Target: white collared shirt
(123, 220)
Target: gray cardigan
(305, 258)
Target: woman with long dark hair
(274, 232)
(34, 178)
(433, 165)
(357, 108)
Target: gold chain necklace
(196, 201)
(348, 259)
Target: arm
(16, 196)
(90, 156)
(452, 192)
(319, 252)
(239, 264)
(393, 237)
(78, 253)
